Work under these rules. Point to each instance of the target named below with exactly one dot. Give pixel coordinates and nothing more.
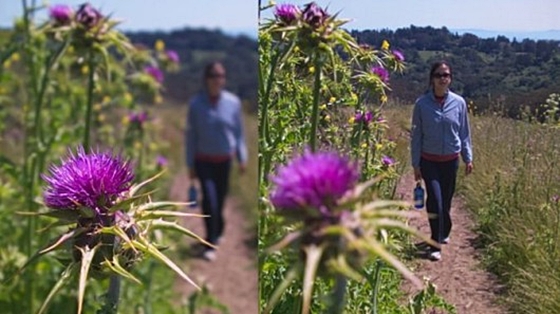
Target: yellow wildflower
(364, 145)
(160, 45)
(327, 118)
(312, 69)
(332, 100)
(106, 99)
(153, 146)
(97, 107)
(15, 57)
(385, 45)
(323, 106)
(101, 118)
(7, 64)
(296, 49)
(125, 120)
(85, 69)
(384, 98)
(351, 120)
(158, 99)
(127, 97)
(378, 146)
(354, 97)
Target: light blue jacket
(440, 130)
(215, 130)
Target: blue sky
(233, 16)
(508, 17)
(240, 16)
(503, 15)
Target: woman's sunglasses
(441, 75)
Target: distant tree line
(489, 71)
(196, 47)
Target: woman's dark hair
(435, 66)
(209, 68)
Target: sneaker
(435, 256)
(445, 241)
(209, 255)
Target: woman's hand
(468, 168)
(417, 174)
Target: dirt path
(458, 276)
(232, 277)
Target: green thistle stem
(338, 295)
(91, 86)
(264, 103)
(149, 288)
(113, 294)
(315, 110)
(375, 284)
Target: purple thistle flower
(172, 55)
(387, 161)
(155, 73)
(88, 16)
(399, 56)
(382, 73)
(161, 161)
(368, 117)
(314, 15)
(140, 117)
(316, 180)
(93, 180)
(358, 116)
(286, 13)
(61, 14)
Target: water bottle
(192, 196)
(418, 196)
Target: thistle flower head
(172, 55)
(399, 56)
(138, 117)
(314, 15)
(381, 72)
(368, 117)
(161, 161)
(358, 116)
(387, 161)
(88, 16)
(365, 117)
(93, 180)
(155, 73)
(287, 13)
(316, 180)
(61, 14)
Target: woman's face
(216, 79)
(441, 78)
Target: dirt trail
(458, 275)
(232, 277)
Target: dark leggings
(439, 178)
(214, 181)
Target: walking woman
(214, 137)
(440, 133)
